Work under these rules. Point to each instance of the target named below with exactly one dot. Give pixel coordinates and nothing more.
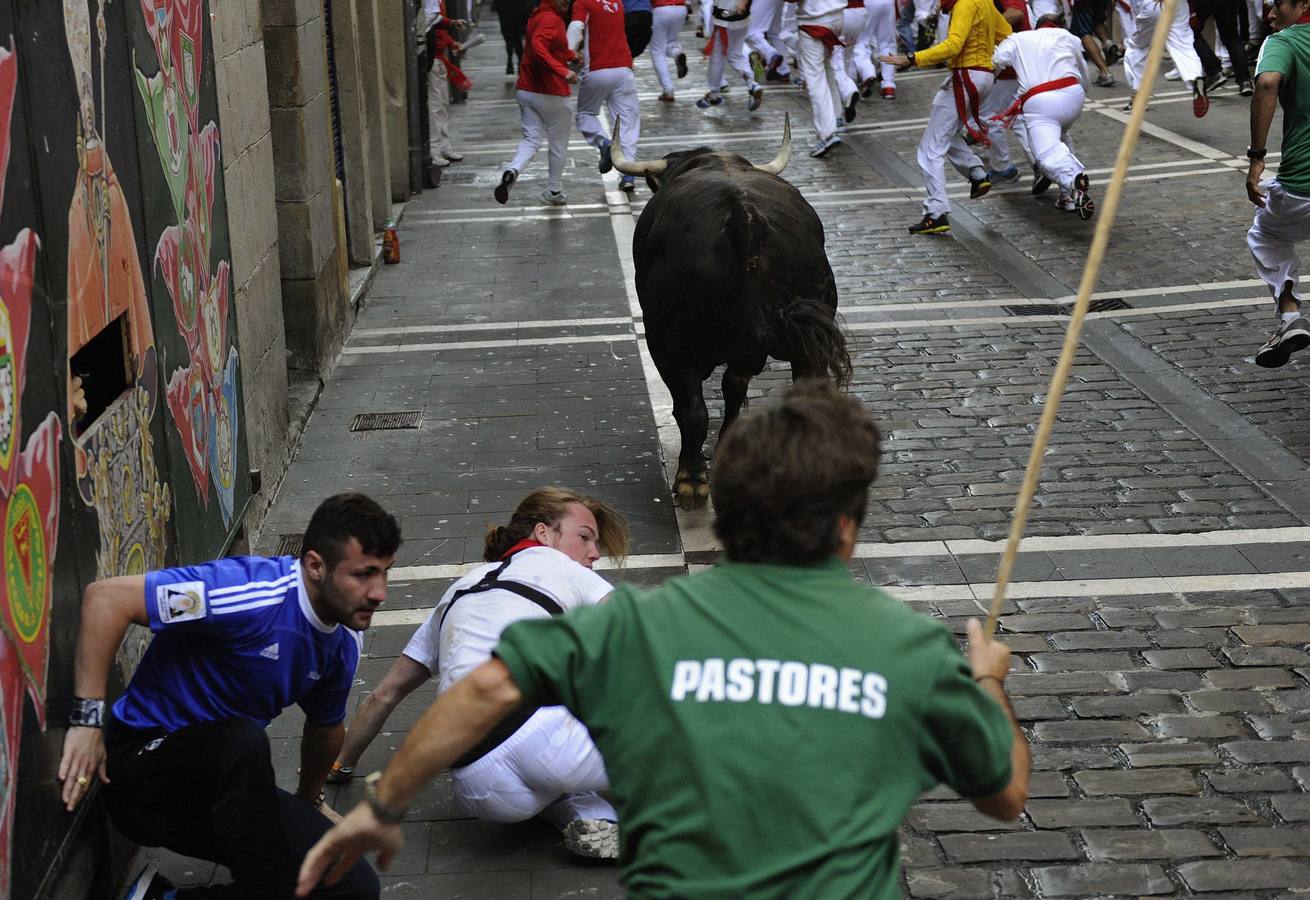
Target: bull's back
(718, 256)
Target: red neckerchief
(1050, 25)
(1304, 20)
(521, 545)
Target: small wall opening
(104, 365)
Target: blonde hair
(548, 505)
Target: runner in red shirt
(543, 85)
(597, 28)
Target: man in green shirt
(1282, 76)
(765, 724)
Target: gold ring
(83, 781)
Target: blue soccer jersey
(237, 638)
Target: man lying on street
(184, 759)
(766, 724)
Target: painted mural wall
(120, 441)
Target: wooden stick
(1100, 240)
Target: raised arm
(1263, 106)
(990, 662)
(450, 728)
(108, 608)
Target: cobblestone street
(1158, 614)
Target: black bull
(730, 270)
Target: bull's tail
(815, 339)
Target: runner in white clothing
(1179, 45)
(819, 30)
(541, 762)
(1052, 84)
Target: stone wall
(248, 181)
(315, 305)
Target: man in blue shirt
(184, 758)
(637, 24)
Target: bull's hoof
(691, 491)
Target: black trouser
(207, 791)
(1225, 14)
(637, 27)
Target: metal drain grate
(386, 421)
(1035, 309)
(289, 544)
(1105, 304)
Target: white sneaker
(452, 155)
(1173, 75)
(821, 148)
(553, 198)
(592, 838)
(1065, 203)
(440, 160)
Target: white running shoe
(1173, 75)
(553, 198)
(592, 838)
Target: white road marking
(1104, 587)
(863, 327)
(488, 326)
(493, 344)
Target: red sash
(720, 34)
(966, 103)
(521, 545)
(855, 4)
(1007, 117)
(824, 35)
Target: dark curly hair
(344, 516)
(783, 476)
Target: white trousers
(665, 23)
(942, 141)
(1179, 44)
(1047, 117)
(877, 39)
(549, 767)
(843, 58)
(545, 117)
(734, 55)
(1279, 225)
(438, 110)
(617, 89)
(1124, 13)
(764, 18)
(998, 100)
(815, 63)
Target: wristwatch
(1255, 155)
(387, 815)
(910, 56)
(87, 713)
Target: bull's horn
(632, 167)
(784, 152)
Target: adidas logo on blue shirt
(269, 652)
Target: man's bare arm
(450, 728)
(1263, 106)
(990, 662)
(319, 746)
(108, 608)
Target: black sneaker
(931, 225)
(150, 885)
(1290, 337)
(1215, 81)
(1246, 89)
(605, 162)
(1040, 181)
(1082, 201)
(757, 97)
(978, 187)
(850, 106)
(507, 178)
(681, 62)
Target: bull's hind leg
(734, 397)
(691, 486)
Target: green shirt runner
(765, 728)
(1288, 53)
